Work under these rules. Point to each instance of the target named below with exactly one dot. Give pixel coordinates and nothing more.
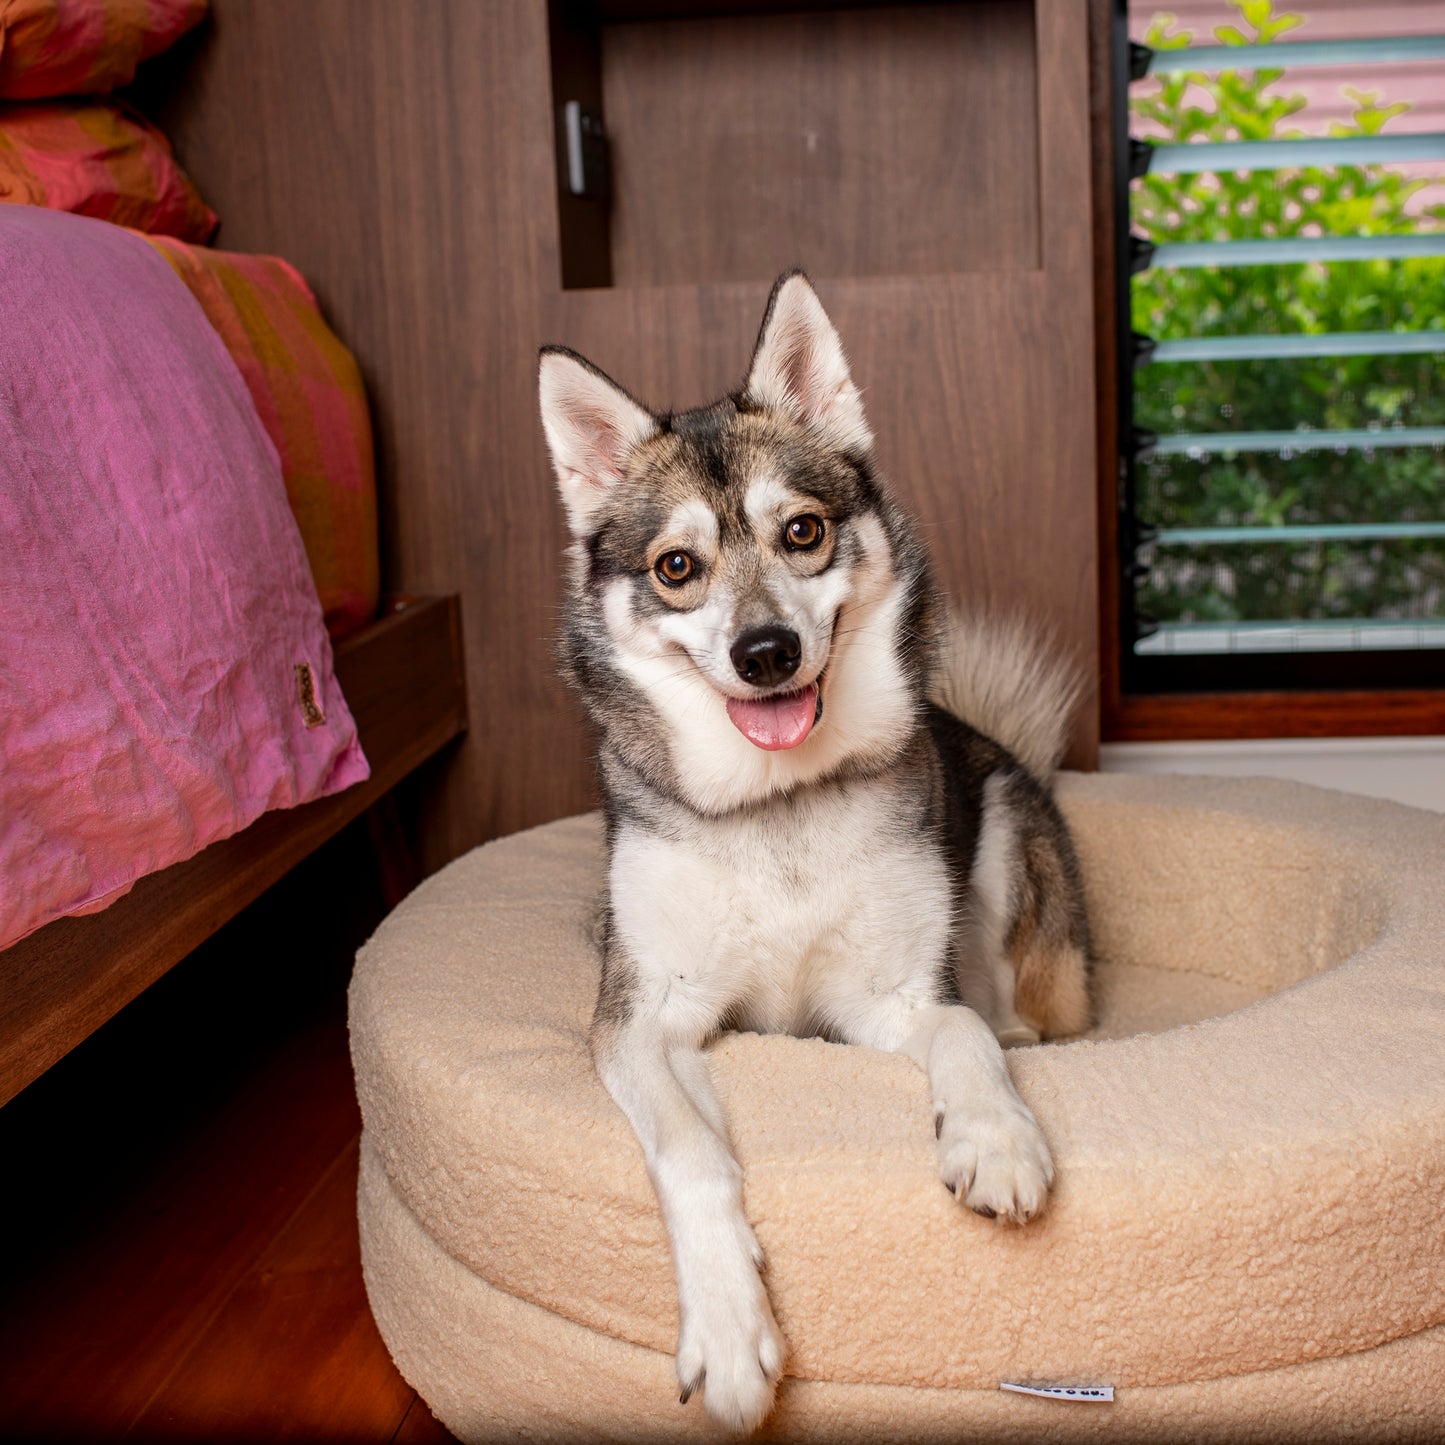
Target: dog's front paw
(994, 1158)
(732, 1350)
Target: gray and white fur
(828, 807)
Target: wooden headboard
(405, 157)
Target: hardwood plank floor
(181, 1202)
(296, 1327)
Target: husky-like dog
(814, 820)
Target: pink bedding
(165, 675)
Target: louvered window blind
(1282, 328)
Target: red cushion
(309, 395)
(80, 47)
(96, 159)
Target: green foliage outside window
(1382, 579)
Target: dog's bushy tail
(1002, 677)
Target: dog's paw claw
(996, 1162)
(733, 1352)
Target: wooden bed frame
(403, 679)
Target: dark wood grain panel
(401, 156)
(404, 158)
(401, 678)
(898, 140)
(1064, 449)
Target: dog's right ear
(592, 427)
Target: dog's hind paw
(733, 1351)
(995, 1160)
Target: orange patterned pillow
(79, 47)
(308, 391)
(97, 160)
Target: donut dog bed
(1247, 1236)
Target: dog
(828, 807)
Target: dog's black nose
(766, 656)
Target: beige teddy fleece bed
(1247, 1237)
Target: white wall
(1409, 770)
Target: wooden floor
(180, 1200)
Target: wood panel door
(928, 164)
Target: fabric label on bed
(1087, 1394)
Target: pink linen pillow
(165, 676)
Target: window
(1281, 317)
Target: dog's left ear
(798, 366)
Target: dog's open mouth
(777, 722)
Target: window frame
(1355, 694)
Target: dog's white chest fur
(795, 918)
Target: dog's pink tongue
(776, 722)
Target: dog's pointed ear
(798, 366)
(592, 427)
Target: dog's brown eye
(674, 568)
(804, 533)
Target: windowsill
(1403, 769)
